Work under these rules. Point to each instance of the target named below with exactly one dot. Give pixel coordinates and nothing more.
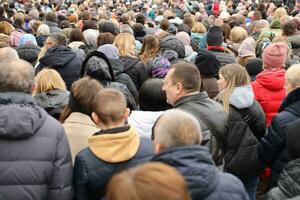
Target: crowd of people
(173, 100)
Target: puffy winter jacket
(202, 176)
(35, 160)
(269, 91)
(171, 42)
(64, 61)
(272, 150)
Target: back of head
(289, 28)
(125, 42)
(52, 17)
(164, 24)
(292, 75)
(110, 106)
(8, 53)
(146, 182)
(274, 55)
(58, 38)
(16, 76)
(105, 38)
(188, 75)
(177, 128)
(215, 36)
(207, 63)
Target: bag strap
(246, 118)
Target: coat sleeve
(272, 144)
(61, 183)
(80, 180)
(142, 74)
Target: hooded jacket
(64, 61)
(272, 150)
(269, 91)
(35, 160)
(29, 53)
(202, 176)
(288, 182)
(53, 26)
(109, 152)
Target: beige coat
(78, 128)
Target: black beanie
(207, 63)
(293, 135)
(254, 67)
(215, 36)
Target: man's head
(16, 76)
(55, 39)
(176, 128)
(109, 109)
(181, 80)
(52, 17)
(8, 53)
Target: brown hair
(36, 25)
(148, 181)
(83, 91)
(244, 60)
(76, 35)
(164, 24)
(150, 48)
(105, 38)
(6, 28)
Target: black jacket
(64, 61)
(35, 159)
(202, 176)
(212, 119)
(272, 150)
(288, 182)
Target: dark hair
(289, 28)
(2, 10)
(76, 35)
(152, 97)
(140, 18)
(164, 24)
(51, 16)
(185, 28)
(105, 38)
(84, 15)
(59, 38)
(89, 24)
(64, 24)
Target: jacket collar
(291, 98)
(15, 98)
(188, 98)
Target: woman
(237, 36)
(50, 92)
(42, 33)
(190, 54)
(246, 125)
(133, 66)
(198, 36)
(149, 49)
(77, 41)
(76, 118)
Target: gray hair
(177, 128)
(8, 53)
(58, 38)
(16, 76)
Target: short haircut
(164, 24)
(109, 105)
(105, 38)
(52, 17)
(76, 35)
(292, 75)
(177, 128)
(16, 76)
(148, 181)
(8, 53)
(188, 75)
(58, 38)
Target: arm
(80, 180)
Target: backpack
(264, 39)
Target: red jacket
(269, 91)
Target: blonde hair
(279, 12)
(238, 34)
(292, 75)
(198, 28)
(235, 75)
(48, 80)
(150, 48)
(125, 42)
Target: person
(149, 49)
(182, 86)
(76, 116)
(146, 182)
(51, 21)
(288, 181)
(36, 159)
(60, 58)
(117, 146)
(177, 135)
(190, 54)
(272, 150)
(152, 103)
(8, 53)
(50, 92)
(246, 125)
(269, 85)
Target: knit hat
(90, 36)
(110, 51)
(215, 36)
(207, 63)
(184, 38)
(293, 146)
(160, 67)
(275, 24)
(254, 67)
(108, 27)
(247, 47)
(27, 39)
(274, 55)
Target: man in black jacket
(35, 159)
(182, 86)
(66, 62)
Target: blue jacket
(272, 150)
(203, 178)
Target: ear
(179, 87)
(158, 148)
(126, 113)
(95, 118)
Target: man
(35, 160)
(182, 86)
(8, 53)
(117, 146)
(272, 150)
(51, 21)
(177, 135)
(61, 58)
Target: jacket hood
(117, 67)
(289, 179)
(76, 44)
(128, 62)
(115, 145)
(20, 116)
(195, 164)
(292, 103)
(57, 56)
(52, 99)
(242, 97)
(272, 79)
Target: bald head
(177, 128)
(8, 53)
(16, 76)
